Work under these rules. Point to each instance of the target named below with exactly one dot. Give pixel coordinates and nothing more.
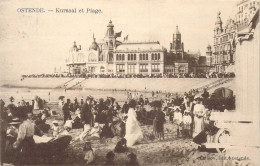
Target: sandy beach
(169, 152)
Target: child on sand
(178, 119)
(121, 146)
(56, 128)
(186, 123)
(89, 153)
(160, 120)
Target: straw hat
(186, 111)
(55, 122)
(15, 121)
(197, 97)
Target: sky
(39, 42)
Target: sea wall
(179, 85)
(35, 83)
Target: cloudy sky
(36, 43)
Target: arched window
(152, 56)
(129, 57)
(134, 56)
(117, 57)
(111, 43)
(123, 57)
(159, 56)
(146, 57)
(140, 57)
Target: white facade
(111, 56)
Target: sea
(52, 95)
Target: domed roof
(219, 21)
(94, 45)
(110, 24)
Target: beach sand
(171, 151)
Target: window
(92, 57)
(110, 57)
(140, 57)
(131, 57)
(120, 57)
(131, 68)
(143, 67)
(143, 57)
(120, 68)
(156, 56)
(155, 68)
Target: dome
(94, 45)
(110, 29)
(110, 24)
(219, 21)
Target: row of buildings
(222, 56)
(111, 56)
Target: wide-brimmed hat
(186, 111)
(55, 122)
(197, 97)
(96, 125)
(15, 121)
(177, 108)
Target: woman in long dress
(133, 130)
(199, 112)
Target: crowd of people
(180, 75)
(101, 118)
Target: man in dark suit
(85, 113)
(66, 110)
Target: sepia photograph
(129, 83)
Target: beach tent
(223, 92)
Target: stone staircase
(63, 84)
(74, 82)
(215, 84)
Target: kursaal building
(111, 56)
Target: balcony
(156, 70)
